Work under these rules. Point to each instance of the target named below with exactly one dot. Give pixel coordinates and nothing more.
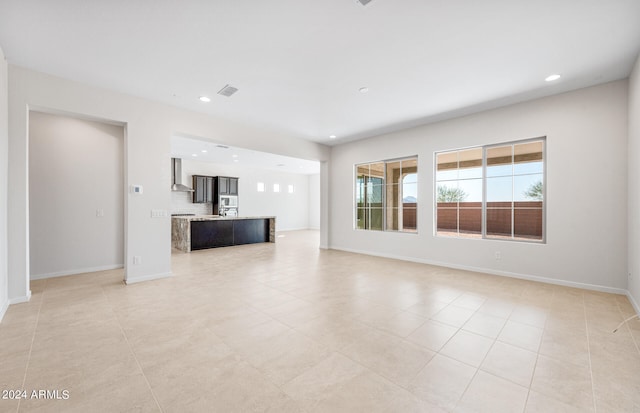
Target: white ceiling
(299, 64)
(204, 150)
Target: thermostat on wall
(136, 189)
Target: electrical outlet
(137, 260)
(498, 256)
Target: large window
(493, 191)
(387, 195)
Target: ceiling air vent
(364, 2)
(222, 146)
(227, 91)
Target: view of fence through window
(492, 192)
(387, 195)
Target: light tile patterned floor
(291, 328)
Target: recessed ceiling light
(234, 155)
(204, 151)
(332, 136)
(280, 164)
(363, 89)
(552, 78)
(205, 99)
(194, 155)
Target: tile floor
(287, 327)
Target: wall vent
(227, 91)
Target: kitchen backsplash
(181, 204)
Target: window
(494, 192)
(276, 187)
(387, 195)
(260, 186)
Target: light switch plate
(159, 213)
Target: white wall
(586, 190)
(291, 210)
(4, 163)
(149, 127)
(75, 169)
(634, 186)
(314, 201)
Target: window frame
(354, 191)
(483, 223)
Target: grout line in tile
(586, 322)
(480, 364)
(377, 373)
(33, 338)
(468, 384)
(633, 338)
(135, 356)
(533, 373)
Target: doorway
(76, 195)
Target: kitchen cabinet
(211, 234)
(249, 231)
(207, 189)
(223, 185)
(223, 232)
(202, 189)
(233, 186)
(227, 185)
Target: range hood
(176, 176)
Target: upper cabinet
(207, 189)
(223, 185)
(227, 185)
(202, 189)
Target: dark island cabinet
(211, 234)
(223, 232)
(249, 231)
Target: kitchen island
(190, 233)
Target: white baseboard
(23, 299)
(3, 309)
(527, 277)
(150, 277)
(75, 271)
(633, 302)
(293, 229)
